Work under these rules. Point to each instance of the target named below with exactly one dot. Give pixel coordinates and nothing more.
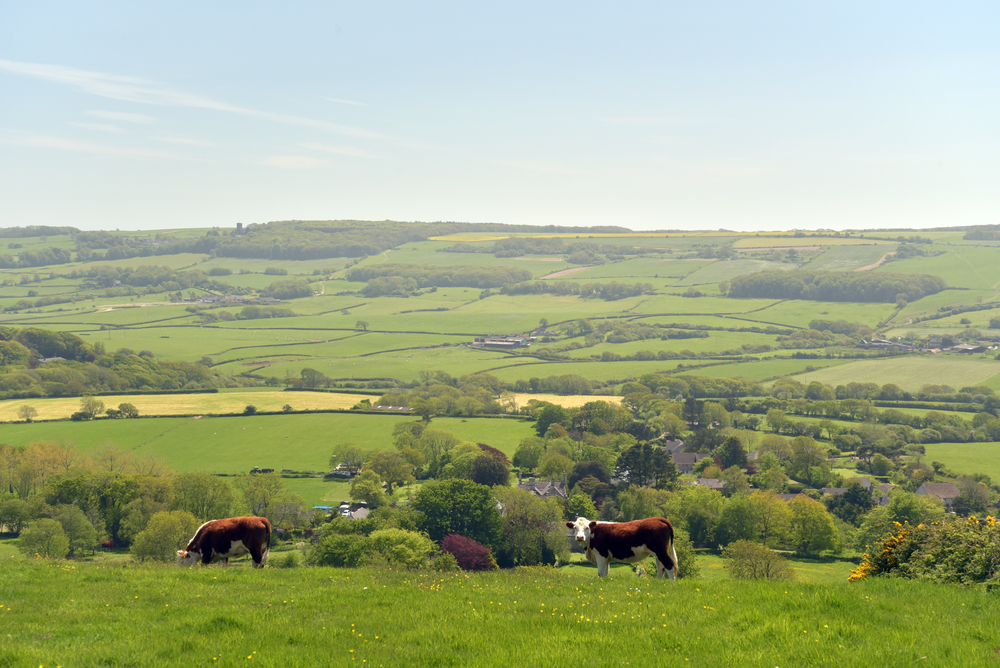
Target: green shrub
(166, 533)
(746, 560)
(342, 550)
(292, 559)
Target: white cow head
(185, 558)
(581, 529)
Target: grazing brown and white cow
(220, 540)
(604, 542)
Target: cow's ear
(570, 525)
(592, 525)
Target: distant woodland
(835, 286)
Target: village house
(543, 488)
(686, 460)
(945, 491)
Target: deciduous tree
(44, 537)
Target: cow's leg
(664, 562)
(259, 556)
(603, 566)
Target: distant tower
(239, 229)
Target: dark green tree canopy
(459, 506)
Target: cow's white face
(185, 558)
(581, 530)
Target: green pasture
(294, 441)
(932, 304)
(846, 258)
(767, 368)
(724, 270)
(716, 342)
(965, 267)
(678, 306)
(592, 370)
(403, 365)
(320, 491)
(800, 312)
(221, 444)
(647, 269)
(910, 372)
(66, 613)
(966, 458)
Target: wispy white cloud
(184, 140)
(296, 162)
(102, 127)
(134, 89)
(340, 150)
(14, 137)
(350, 102)
(122, 116)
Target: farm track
(877, 264)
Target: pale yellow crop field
(568, 401)
(188, 404)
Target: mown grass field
(966, 458)
(61, 613)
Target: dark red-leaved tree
(470, 555)
(494, 453)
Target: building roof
(687, 457)
(711, 483)
(544, 488)
(942, 490)
(673, 447)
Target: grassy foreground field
(60, 613)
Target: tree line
(466, 276)
(63, 502)
(835, 286)
(89, 368)
(612, 291)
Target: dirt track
(877, 264)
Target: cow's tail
(267, 543)
(673, 553)
(672, 549)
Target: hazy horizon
(653, 116)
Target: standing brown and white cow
(221, 540)
(604, 542)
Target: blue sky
(745, 116)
